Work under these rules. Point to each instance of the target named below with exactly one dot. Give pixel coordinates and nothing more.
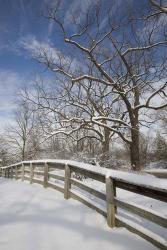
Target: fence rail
(32, 171)
(160, 173)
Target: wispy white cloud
(10, 82)
(36, 48)
(50, 28)
(4, 32)
(33, 46)
(78, 8)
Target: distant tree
(146, 147)
(4, 155)
(162, 116)
(160, 151)
(20, 133)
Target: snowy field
(34, 218)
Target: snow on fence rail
(28, 170)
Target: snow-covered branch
(147, 104)
(144, 47)
(159, 6)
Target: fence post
(31, 173)
(22, 174)
(110, 191)
(67, 184)
(45, 181)
(16, 172)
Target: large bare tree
(125, 51)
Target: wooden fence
(43, 172)
(160, 173)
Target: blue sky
(22, 29)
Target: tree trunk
(105, 144)
(134, 119)
(23, 150)
(106, 141)
(134, 151)
(134, 146)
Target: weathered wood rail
(160, 173)
(34, 170)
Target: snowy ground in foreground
(34, 218)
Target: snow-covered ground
(34, 218)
